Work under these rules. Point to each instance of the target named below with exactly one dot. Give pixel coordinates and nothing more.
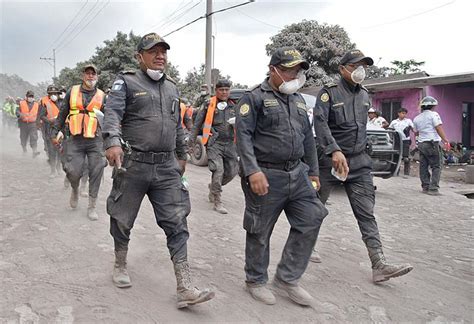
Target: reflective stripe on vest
(51, 109)
(206, 129)
(83, 121)
(27, 115)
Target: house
(454, 92)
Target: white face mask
(358, 75)
(53, 97)
(290, 87)
(203, 92)
(91, 83)
(62, 95)
(30, 99)
(153, 74)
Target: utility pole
(47, 59)
(208, 66)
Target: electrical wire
(181, 15)
(256, 19)
(169, 17)
(84, 27)
(62, 33)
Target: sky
(438, 32)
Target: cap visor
(165, 44)
(304, 64)
(367, 60)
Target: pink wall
(450, 99)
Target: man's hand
(339, 163)
(114, 155)
(315, 182)
(447, 146)
(258, 183)
(59, 136)
(182, 165)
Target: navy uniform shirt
(343, 107)
(273, 127)
(145, 113)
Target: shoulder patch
(117, 84)
(330, 85)
(324, 97)
(244, 109)
(170, 79)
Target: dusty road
(55, 265)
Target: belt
(285, 166)
(150, 157)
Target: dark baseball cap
(150, 40)
(90, 66)
(288, 57)
(355, 56)
(30, 93)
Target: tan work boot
(383, 271)
(294, 292)
(73, 201)
(120, 275)
(262, 294)
(211, 195)
(315, 257)
(218, 206)
(186, 295)
(91, 210)
(83, 189)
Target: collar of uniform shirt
(267, 87)
(350, 86)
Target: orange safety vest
(51, 109)
(83, 121)
(27, 115)
(206, 129)
(182, 106)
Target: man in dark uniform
(85, 140)
(143, 114)
(27, 112)
(343, 107)
(279, 172)
(215, 121)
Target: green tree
(404, 67)
(322, 45)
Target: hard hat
(371, 110)
(52, 89)
(428, 101)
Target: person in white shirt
(429, 129)
(374, 120)
(403, 125)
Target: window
(390, 109)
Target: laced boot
(294, 292)
(218, 206)
(187, 295)
(73, 201)
(91, 210)
(383, 271)
(120, 275)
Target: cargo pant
(28, 131)
(360, 190)
(161, 182)
(430, 157)
(222, 162)
(52, 150)
(78, 149)
(292, 192)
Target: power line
(411, 16)
(84, 27)
(70, 23)
(181, 15)
(77, 26)
(178, 8)
(256, 19)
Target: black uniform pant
(405, 155)
(359, 188)
(50, 148)
(28, 131)
(78, 149)
(161, 182)
(222, 162)
(292, 192)
(430, 157)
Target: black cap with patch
(288, 57)
(150, 40)
(355, 56)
